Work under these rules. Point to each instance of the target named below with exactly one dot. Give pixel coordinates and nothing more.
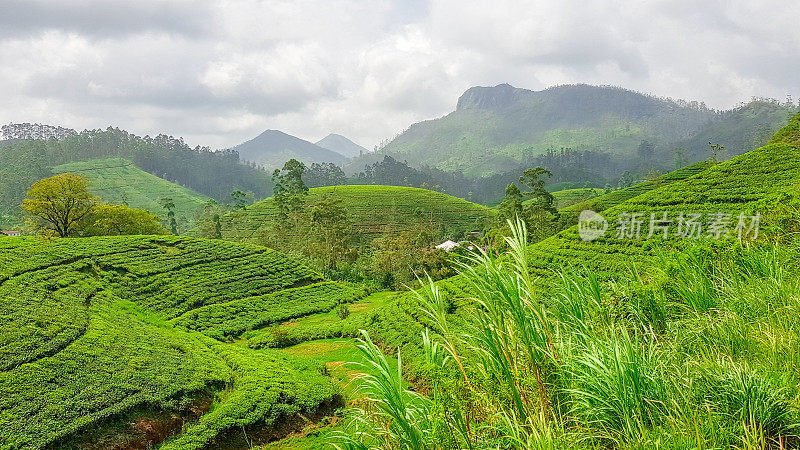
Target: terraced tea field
(118, 180)
(96, 328)
(760, 181)
(373, 211)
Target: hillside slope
(494, 129)
(341, 145)
(95, 329)
(751, 183)
(273, 148)
(373, 211)
(118, 180)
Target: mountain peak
(342, 145)
(272, 148)
(493, 98)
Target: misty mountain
(273, 148)
(496, 129)
(341, 145)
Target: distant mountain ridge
(496, 129)
(342, 145)
(273, 148)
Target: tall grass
(701, 355)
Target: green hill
(755, 182)
(373, 211)
(602, 202)
(496, 129)
(99, 333)
(118, 180)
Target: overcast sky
(218, 73)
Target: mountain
(341, 145)
(497, 129)
(272, 148)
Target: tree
(168, 204)
(118, 220)
(60, 202)
(217, 227)
(533, 178)
(715, 150)
(646, 150)
(289, 191)
(329, 226)
(241, 199)
(208, 223)
(625, 180)
(680, 158)
(512, 204)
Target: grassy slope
(602, 202)
(118, 180)
(374, 211)
(742, 184)
(91, 328)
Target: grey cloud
(219, 72)
(104, 19)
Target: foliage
(289, 189)
(117, 220)
(60, 202)
(372, 211)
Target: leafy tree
(60, 202)
(330, 230)
(290, 190)
(118, 220)
(217, 227)
(241, 199)
(533, 178)
(325, 174)
(625, 180)
(715, 150)
(512, 204)
(169, 205)
(208, 219)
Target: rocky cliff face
(492, 98)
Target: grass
(118, 180)
(621, 344)
(373, 211)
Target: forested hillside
(496, 129)
(215, 174)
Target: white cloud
(219, 73)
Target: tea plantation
(374, 211)
(96, 327)
(118, 180)
(757, 182)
